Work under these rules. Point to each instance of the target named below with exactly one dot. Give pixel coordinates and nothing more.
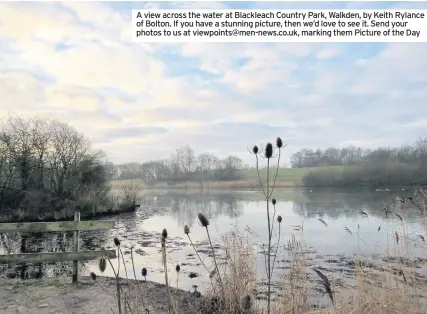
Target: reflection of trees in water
(95, 239)
(14, 243)
(349, 204)
(34, 243)
(186, 207)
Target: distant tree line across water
(183, 166)
(353, 155)
(400, 166)
(48, 168)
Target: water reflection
(172, 209)
(184, 207)
(34, 243)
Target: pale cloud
(96, 65)
(296, 49)
(20, 90)
(75, 62)
(327, 82)
(72, 97)
(201, 5)
(398, 66)
(264, 67)
(42, 21)
(365, 143)
(327, 53)
(418, 123)
(214, 58)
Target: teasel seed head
(164, 233)
(177, 268)
(102, 264)
(93, 276)
(279, 142)
(279, 219)
(273, 201)
(186, 229)
(255, 150)
(203, 220)
(247, 302)
(214, 304)
(116, 242)
(268, 150)
(144, 272)
(212, 274)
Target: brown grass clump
(295, 288)
(238, 278)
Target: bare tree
(155, 171)
(45, 165)
(182, 166)
(186, 161)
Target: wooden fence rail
(76, 255)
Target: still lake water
(245, 210)
(172, 209)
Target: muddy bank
(17, 218)
(89, 297)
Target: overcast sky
(75, 62)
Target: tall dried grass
(238, 277)
(397, 285)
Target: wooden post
(76, 248)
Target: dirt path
(87, 297)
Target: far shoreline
(240, 184)
(98, 215)
(235, 184)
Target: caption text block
(279, 25)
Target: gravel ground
(87, 297)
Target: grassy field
(287, 177)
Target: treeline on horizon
(385, 166)
(48, 167)
(183, 166)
